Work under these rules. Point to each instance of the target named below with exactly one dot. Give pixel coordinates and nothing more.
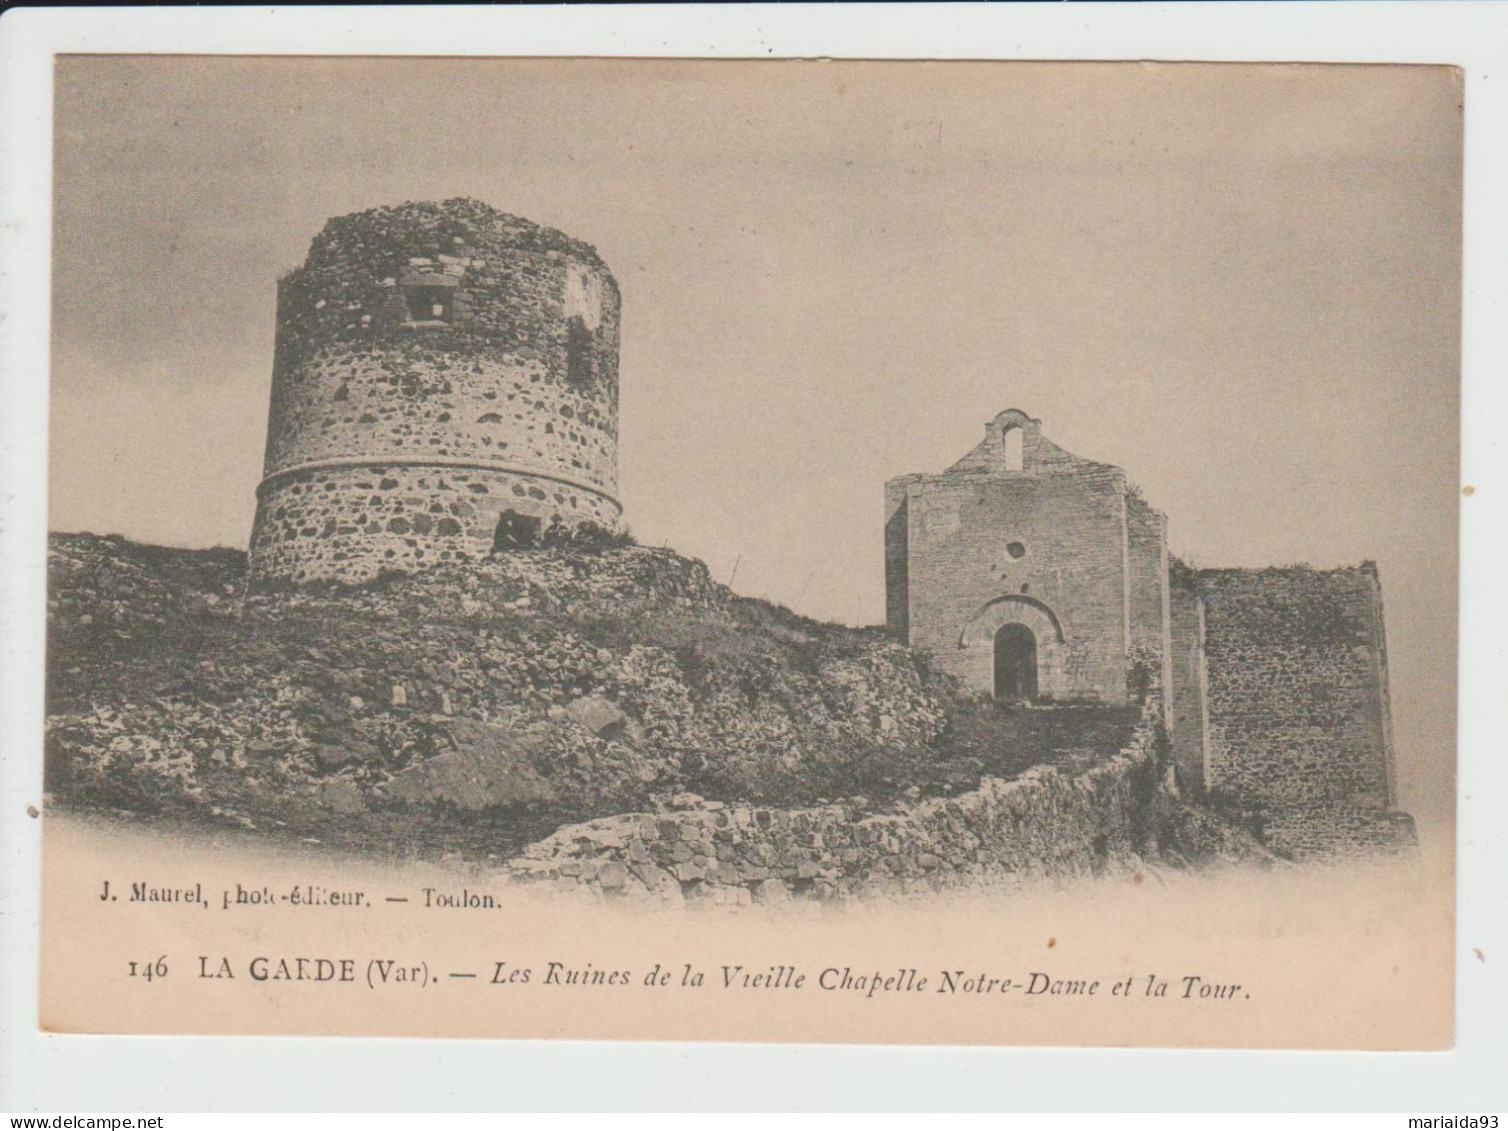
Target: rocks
(771, 891)
(658, 695)
(332, 757)
(1047, 822)
(489, 766)
(341, 797)
(600, 716)
(612, 876)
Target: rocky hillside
(478, 708)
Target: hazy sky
(1239, 283)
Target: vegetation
(613, 676)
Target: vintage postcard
(866, 552)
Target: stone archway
(1015, 648)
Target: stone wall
(1047, 822)
(897, 567)
(1147, 595)
(352, 522)
(465, 357)
(1333, 831)
(1297, 687)
(1187, 678)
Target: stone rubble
(479, 709)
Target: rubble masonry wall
(1044, 823)
(1297, 687)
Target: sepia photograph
(812, 551)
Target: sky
(1239, 283)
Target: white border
(52, 1073)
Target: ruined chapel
(1040, 578)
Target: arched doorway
(1015, 663)
(1036, 651)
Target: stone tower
(445, 382)
(1030, 573)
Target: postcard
(885, 552)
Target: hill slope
(477, 708)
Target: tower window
(428, 304)
(429, 298)
(579, 368)
(1011, 441)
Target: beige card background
(1357, 958)
(1240, 283)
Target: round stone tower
(445, 383)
